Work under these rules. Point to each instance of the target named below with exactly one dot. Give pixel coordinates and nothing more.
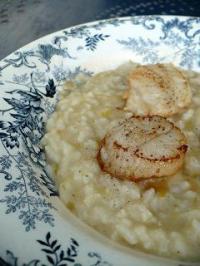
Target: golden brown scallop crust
(159, 89)
(141, 148)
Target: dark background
(22, 21)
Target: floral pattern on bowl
(29, 80)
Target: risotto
(160, 217)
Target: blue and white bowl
(35, 228)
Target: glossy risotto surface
(161, 217)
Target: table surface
(22, 21)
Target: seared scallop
(159, 89)
(142, 147)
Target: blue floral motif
(21, 200)
(46, 52)
(143, 47)
(38, 77)
(56, 255)
(11, 260)
(21, 59)
(20, 78)
(29, 97)
(5, 162)
(175, 40)
(91, 41)
(61, 74)
(151, 22)
(148, 22)
(26, 128)
(183, 26)
(175, 33)
(77, 32)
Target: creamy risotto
(161, 217)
